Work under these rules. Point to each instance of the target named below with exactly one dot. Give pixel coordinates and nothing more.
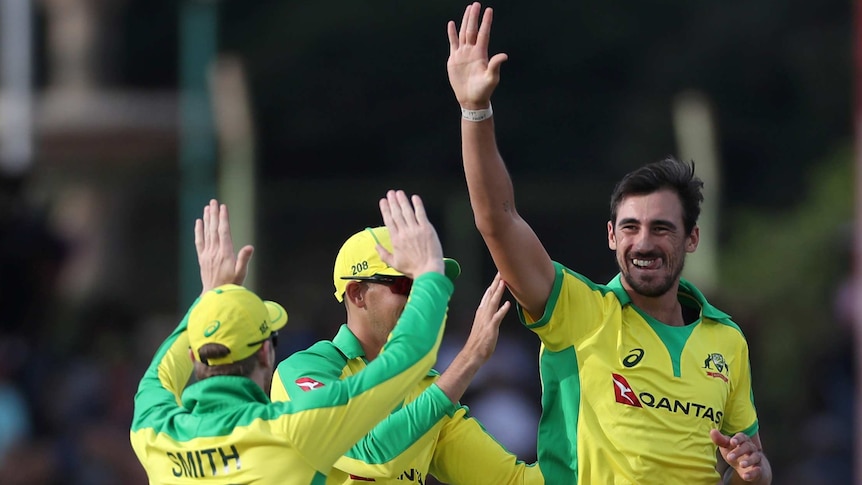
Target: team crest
(716, 361)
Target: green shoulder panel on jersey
(560, 374)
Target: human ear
(355, 292)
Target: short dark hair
(669, 173)
(242, 368)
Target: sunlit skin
(373, 313)
(651, 243)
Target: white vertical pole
(16, 105)
(695, 137)
(236, 163)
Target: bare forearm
(488, 181)
(454, 381)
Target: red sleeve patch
(308, 384)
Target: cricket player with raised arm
(224, 428)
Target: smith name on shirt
(207, 462)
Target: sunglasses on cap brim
(400, 285)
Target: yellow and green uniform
(629, 400)
(224, 429)
(427, 434)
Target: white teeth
(642, 262)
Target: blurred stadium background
(119, 119)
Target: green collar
(347, 343)
(222, 392)
(686, 290)
(349, 346)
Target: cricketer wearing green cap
(224, 428)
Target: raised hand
(486, 324)
(742, 453)
(218, 263)
(472, 75)
(480, 344)
(416, 248)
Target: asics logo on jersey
(635, 356)
(308, 384)
(624, 393)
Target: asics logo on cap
(212, 328)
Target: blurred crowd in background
(338, 104)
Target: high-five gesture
(472, 75)
(416, 248)
(219, 265)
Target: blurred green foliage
(780, 270)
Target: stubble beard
(655, 287)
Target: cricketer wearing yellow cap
(224, 428)
(430, 433)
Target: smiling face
(650, 242)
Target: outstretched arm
(744, 455)
(163, 382)
(390, 448)
(515, 248)
(323, 424)
(480, 344)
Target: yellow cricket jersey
(629, 400)
(225, 430)
(426, 435)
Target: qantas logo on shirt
(624, 393)
(308, 384)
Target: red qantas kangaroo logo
(308, 384)
(624, 393)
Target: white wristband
(477, 115)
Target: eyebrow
(656, 222)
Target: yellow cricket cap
(235, 317)
(358, 258)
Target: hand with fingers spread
(480, 344)
(486, 324)
(472, 75)
(218, 263)
(744, 455)
(416, 248)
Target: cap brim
(451, 268)
(277, 315)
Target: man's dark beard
(653, 291)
